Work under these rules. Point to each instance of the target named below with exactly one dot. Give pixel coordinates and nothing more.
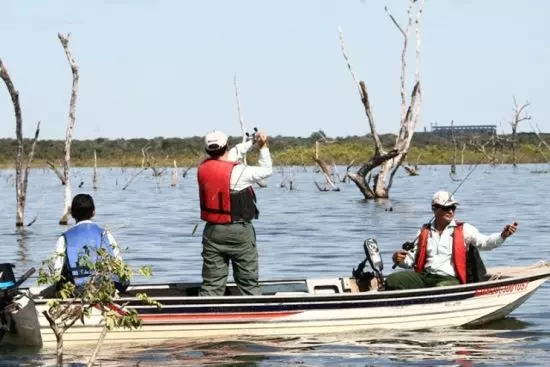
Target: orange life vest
(219, 204)
(458, 255)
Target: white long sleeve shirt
(440, 248)
(61, 246)
(244, 176)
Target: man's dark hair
(218, 152)
(82, 207)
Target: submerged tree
(21, 167)
(520, 114)
(390, 161)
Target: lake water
(301, 233)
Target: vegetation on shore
(427, 148)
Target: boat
(289, 308)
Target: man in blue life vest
(439, 256)
(71, 245)
(228, 205)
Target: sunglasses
(445, 208)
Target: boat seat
(324, 286)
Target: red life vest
(458, 255)
(215, 198)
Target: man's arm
(238, 151)
(59, 255)
(483, 242)
(114, 245)
(405, 259)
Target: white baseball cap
(215, 140)
(443, 198)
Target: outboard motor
(7, 279)
(9, 289)
(373, 258)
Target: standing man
(228, 205)
(439, 256)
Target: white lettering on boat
(503, 289)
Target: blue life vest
(83, 235)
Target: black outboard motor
(9, 288)
(373, 258)
(7, 279)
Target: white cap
(443, 198)
(215, 140)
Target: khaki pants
(413, 280)
(222, 243)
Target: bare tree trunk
(97, 347)
(21, 172)
(94, 179)
(409, 117)
(175, 175)
(70, 127)
(241, 119)
(58, 332)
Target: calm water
(302, 233)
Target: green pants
(412, 280)
(224, 242)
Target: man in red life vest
(440, 251)
(228, 205)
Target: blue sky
(165, 68)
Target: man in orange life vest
(439, 254)
(228, 205)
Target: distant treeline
(426, 148)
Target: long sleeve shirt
(61, 246)
(440, 248)
(244, 176)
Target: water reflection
(22, 250)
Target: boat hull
(301, 313)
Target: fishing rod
(408, 246)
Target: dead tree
(389, 161)
(519, 115)
(323, 166)
(541, 140)
(21, 167)
(175, 176)
(70, 127)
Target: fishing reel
(252, 136)
(373, 258)
(407, 246)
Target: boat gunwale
(308, 298)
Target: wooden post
(21, 170)
(70, 127)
